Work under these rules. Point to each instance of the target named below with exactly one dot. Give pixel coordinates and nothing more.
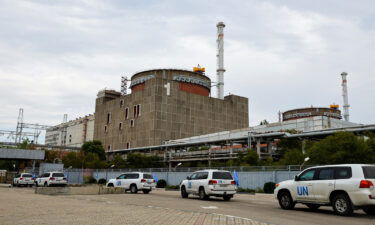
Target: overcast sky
(56, 55)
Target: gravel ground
(22, 206)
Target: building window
(137, 110)
(109, 147)
(126, 113)
(105, 129)
(109, 117)
(120, 126)
(127, 145)
(132, 123)
(121, 103)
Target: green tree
(95, 147)
(119, 162)
(73, 159)
(342, 147)
(50, 156)
(137, 160)
(26, 144)
(292, 157)
(93, 161)
(251, 158)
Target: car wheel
(184, 194)
(286, 201)
(342, 205)
(133, 189)
(313, 206)
(227, 197)
(202, 194)
(369, 210)
(146, 191)
(110, 185)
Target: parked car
(344, 187)
(51, 179)
(134, 182)
(206, 183)
(25, 179)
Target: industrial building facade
(165, 104)
(72, 133)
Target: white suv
(345, 187)
(134, 181)
(206, 183)
(51, 179)
(25, 179)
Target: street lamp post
(106, 172)
(305, 160)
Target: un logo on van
(302, 190)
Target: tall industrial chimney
(220, 60)
(345, 96)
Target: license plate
(223, 185)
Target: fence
(249, 177)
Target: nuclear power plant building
(165, 104)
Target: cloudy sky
(56, 55)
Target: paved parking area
(22, 206)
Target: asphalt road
(259, 207)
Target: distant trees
(341, 147)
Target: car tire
(227, 197)
(369, 210)
(286, 200)
(184, 193)
(342, 205)
(146, 191)
(133, 189)
(202, 194)
(110, 185)
(313, 206)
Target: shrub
(161, 183)
(89, 180)
(269, 187)
(102, 181)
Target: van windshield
(369, 172)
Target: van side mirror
(188, 178)
(296, 178)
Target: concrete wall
(72, 134)
(165, 117)
(250, 180)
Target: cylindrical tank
(310, 112)
(188, 81)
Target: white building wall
(73, 133)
